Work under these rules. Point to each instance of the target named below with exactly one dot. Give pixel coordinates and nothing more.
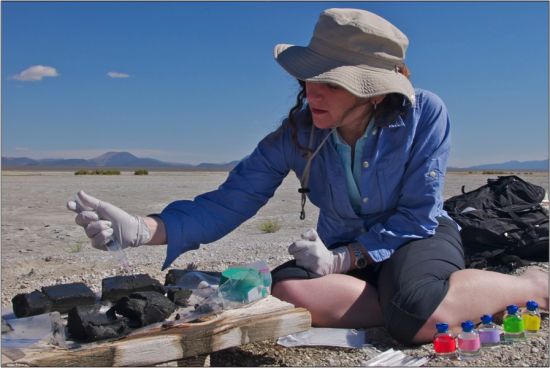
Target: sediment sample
(116, 287)
(30, 304)
(179, 296)
(66, 296)
(87, 323)
(175, 276)
(145, 307)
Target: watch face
(361, 262)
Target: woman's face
(333, 106)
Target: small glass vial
(513, 325)
(489, 333)
(468, 341)
(531, 318)
(444, 341)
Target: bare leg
(336, 300)
(473, 293)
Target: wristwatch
(358, 255)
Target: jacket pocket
(390, 172)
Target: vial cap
(467, 326)
(532, 305)
(486, 318)
(441, 327)
(512, 309)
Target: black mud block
(116, 287)
(30, 304)
(179, 296)
(145, 307)
(66, 296)
(87, 323)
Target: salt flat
(41, 244)
(39, 233)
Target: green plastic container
(241, 284)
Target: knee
(290, 291)
(409, 313)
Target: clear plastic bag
(197, 280)
(202, 286)
(44, 328)
(237, 286)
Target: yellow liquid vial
(531, 322)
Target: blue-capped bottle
(513, 325)
(444, 342)
(468, 340)
(489, 333)
(531, 318)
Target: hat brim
(361, 80)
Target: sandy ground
(41, 245)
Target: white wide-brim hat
(352, 48)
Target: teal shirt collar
(352, 174)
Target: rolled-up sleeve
(212, 215)
(420, 197)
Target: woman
(371, 153)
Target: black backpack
(503, 223)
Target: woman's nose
(314, 90)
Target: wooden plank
(268, 318)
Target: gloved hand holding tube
(106, 225)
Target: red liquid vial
(444, 342)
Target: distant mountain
(17, 161)
(118, 160)
(540, 165)
(126, 160)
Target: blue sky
(197, 82)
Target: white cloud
(35, 73)
(118, 75)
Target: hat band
(337, 53)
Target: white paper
(395, 358)
(339, 337)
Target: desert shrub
(108, 172)
(493, 172)
(75, 248)
(141, 172)
(97, 172)
(270, 226)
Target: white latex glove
(311, 254)
(101, 220)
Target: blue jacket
(401, 186)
